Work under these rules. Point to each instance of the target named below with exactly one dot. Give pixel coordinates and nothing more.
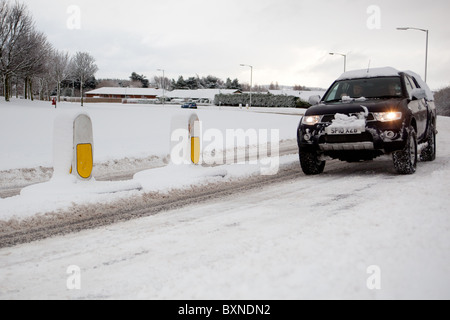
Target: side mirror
(418, 94)
(314, 100)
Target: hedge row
(260, 100)
(442, 100)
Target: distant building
(304, 95)
(201, 95)
(123, 94)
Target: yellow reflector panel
(195, 150)
(84, 160)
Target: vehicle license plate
(342, 130)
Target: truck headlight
(388, 116)
(311, 120)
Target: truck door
(419, 108)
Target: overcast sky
(286, 41)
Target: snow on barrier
(73, 146)
(73, 162)
(185, 140)
(184, 169)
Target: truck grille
(328, 118)
(348, 138)
(350, 142)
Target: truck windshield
(371, 88)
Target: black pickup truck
(366, 114)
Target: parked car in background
(189, 105)
(366, 114)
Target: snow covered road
(359, 231)
(311, 237)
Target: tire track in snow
(85, 217)
(82, 217)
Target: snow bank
(62, 194)
(178, 177)
(70, 186)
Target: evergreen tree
(180, 84)
(140, 78)
(235, 85)
(193, 83)
(228, 84)
(212, 82)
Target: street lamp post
(251, 80)
(426, 46)
(345, 59)
(164, 86)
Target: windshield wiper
(348, 100)
(385, 97)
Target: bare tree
(108, 83)
(83, 67)
(16, 27)
(161, 82)
(135, 84)
(4, 9)
(60, 69)
(46, 80)
(34, 59)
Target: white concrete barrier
(73, 146)
(185, 140)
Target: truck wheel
(429, 153)
(405, 161)
(311, 165)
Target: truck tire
(429, 153)
(405, 161)
(310, 163)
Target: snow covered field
(133, 131)
(359, 231)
